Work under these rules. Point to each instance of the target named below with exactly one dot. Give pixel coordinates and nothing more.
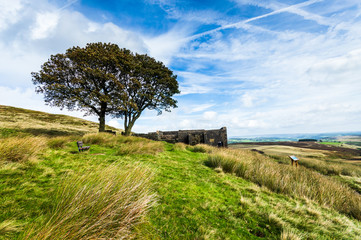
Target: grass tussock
(101, 204)
(17, 149)
(124, 145)
(202, 148)
(98, 138)
(9, 226)
(150, 147)
(332, 168)
(179, 147)
(297, 182)
(325, 166)
(59, 142)
(289, 235)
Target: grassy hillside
(14, 121)
(128, 187)
(344, 166)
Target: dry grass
(140, 148)
(179, 147)
(297, 182)
(100, 204)
(17, 149)
(289, 235)
(332, 167)
(124, 145)
(9, 226)
(323, 161)
(59, 142)
(40, 123)
(98, 138)
(203, 148)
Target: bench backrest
(80, 144)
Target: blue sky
(257, 67)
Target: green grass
(58, 193)
(332, 143)
(193, 200)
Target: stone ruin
(192, 137)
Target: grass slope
(14, 121)
(175, 195)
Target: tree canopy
(102, 79)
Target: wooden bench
(81, 147)
(294, 160)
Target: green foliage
(151, 86)
(102, 79)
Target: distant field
(332, 143)
(280, 150)
(349, 139)
(346, 144)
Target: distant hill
(18, 120)
(340, 136)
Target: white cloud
(115, 123)
(42, 30)
(209, 115)
(247, 100)
(45, 25)
(9, 12)
(345, 68)
(27, 98)
(165, 46)
(196, 107)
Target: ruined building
(191, 137)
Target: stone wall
(191, 137)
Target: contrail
(243, 23)
(67, 5)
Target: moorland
(130, 187)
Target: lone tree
(150, 86)
(102, 79)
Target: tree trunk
(128, 129)
(128, 124)
(102, 123)
(103, 107)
